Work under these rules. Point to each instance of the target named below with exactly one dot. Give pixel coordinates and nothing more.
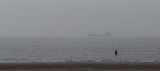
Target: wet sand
(81, 66)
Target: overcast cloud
(43, 18)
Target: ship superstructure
(105, 34)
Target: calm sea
(79, 49)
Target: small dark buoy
(116, 52)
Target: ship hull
(100, 35)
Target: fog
(52, 18)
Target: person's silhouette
(116, 52)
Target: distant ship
(106, 34)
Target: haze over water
(58, 18)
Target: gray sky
(30, 18)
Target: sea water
(88, 49)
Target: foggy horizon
(78, 18)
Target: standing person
(116, 52)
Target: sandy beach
(77, 66)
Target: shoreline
(82, 65)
